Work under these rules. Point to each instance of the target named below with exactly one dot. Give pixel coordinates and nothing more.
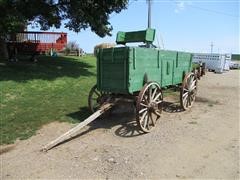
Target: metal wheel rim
(149, 106)
(188, 91)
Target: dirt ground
(200, 143)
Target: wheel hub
(152, 107)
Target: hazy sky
(181, 25)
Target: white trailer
(214, 62)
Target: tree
(73, 14)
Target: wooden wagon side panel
(144, 66)
(168, 59)
(182, 65)
(112, 70)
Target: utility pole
(211, 47)
(149, 19)
(149, 13)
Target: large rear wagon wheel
(188, 91)
(149, 106)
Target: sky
(180, 25)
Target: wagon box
(126, 69)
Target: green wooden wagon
(139, 73)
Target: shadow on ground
(172, 107)
(119, 116)
(47, 68)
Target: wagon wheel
(149, 106)
(96, 99)
(188, 91)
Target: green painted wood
(112, 74)
(143, 65)
(182, 65)
(136, 36)
(167, 64)
(126, 69)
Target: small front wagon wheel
(94, 99)
(149, 106)
(188, 91)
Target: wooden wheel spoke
(143, 116)
(150, 94)
(193, 95)
(158, 102)
(158, 95)
(157, 112)
(193, 86)
(185, 101)
(194, 82)
(154, 92)
(145, 99)
(190, 82)
(189, 100)
(97, 93)
(143, 104)
(146, 121)
(142, 110)
(185, 94)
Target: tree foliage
(73, 14)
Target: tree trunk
(3, 49)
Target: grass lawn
(53, 89)
(33, 94)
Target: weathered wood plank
(74, 131)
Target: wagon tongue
(75, 131)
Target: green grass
(34, 94)
(53, 89)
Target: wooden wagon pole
(74, 131)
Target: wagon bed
(126, 69)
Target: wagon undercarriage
(148, 102)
